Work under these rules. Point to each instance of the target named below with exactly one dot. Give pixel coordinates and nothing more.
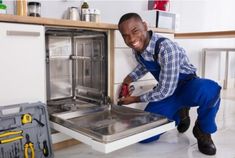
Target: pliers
(28, 145)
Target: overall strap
(156, 50)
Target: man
(178, 87)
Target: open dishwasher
(77, 94)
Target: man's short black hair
(128, 16)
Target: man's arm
(169, 74)
(168, 78)
(138, 72)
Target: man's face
(134, 33)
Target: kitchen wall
(196, 15)
(215, 63)
(111, 10)
(204, 15)
(207, 15)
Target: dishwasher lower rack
(110, 128)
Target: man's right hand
(127, 80)
(129, 100)
(124, 89)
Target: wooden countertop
(205, 35)
(54, 22)
(66, 23)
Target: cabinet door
(22, 63)
(125, 62)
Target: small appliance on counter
(21, 7)
(166, 20)
(34, 9)
(73, 13)
(162, 19)
(94, 15)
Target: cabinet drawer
(119, 42)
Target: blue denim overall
(190, 92)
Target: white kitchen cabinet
(124, 63)
(22, 63)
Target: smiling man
(178, 87)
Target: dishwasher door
(108, 128)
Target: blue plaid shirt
(172, 60)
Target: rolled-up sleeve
(138, 72)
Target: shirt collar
(151, 45)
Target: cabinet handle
(79, 57)
(23, 33)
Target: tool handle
(10, 140)
(26, 150)
(26, 146)
(10, 133)
(124, 92)
(31, 146)
(45, 148)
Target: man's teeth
(135, 44)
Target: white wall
(194, 50)
(111, 10)
(204, 15)
(196, 15)
(207, 15)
